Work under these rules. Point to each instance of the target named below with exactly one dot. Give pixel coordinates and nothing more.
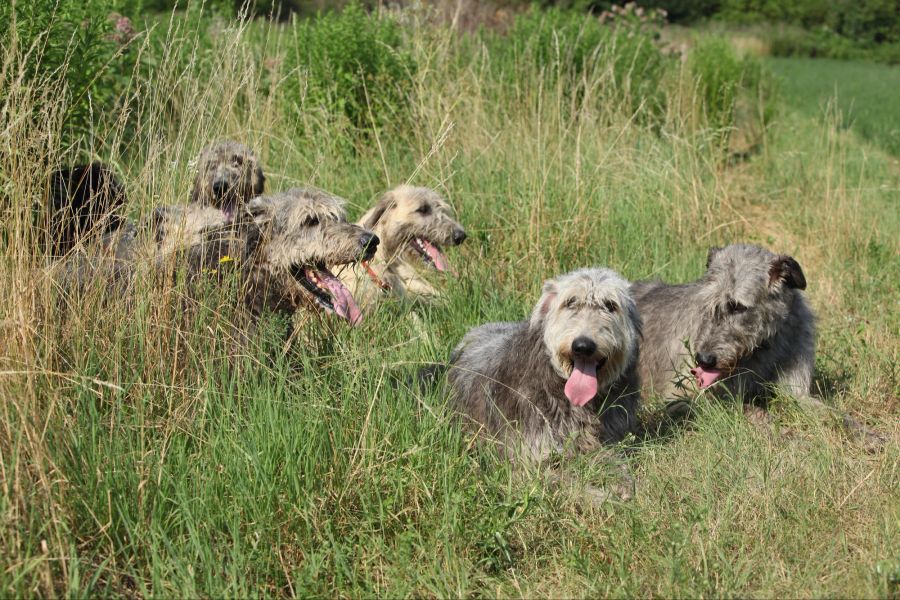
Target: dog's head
(591, 330)
(415, 223)
(228, 176)
(304, 233)
(84, 199)
(748, 293)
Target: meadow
(142, 454)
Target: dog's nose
(459, 236)
(219, 187)
(369, 243)
(583, 346)
(707, 361)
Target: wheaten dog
(413, 224)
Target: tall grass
(143, 452)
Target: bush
(566, 43)
(69, 43)
(721, 75)
(352, 61)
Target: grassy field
(862, 95)
(143, 456)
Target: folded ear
(262, 209)
(786, 270)
(371, 218)
(711, 254)
(548, 295)
(259, 180)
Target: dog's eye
(735, 308)
(425, 209)
(238, 160)
(570, 303)
(311, 221)
(610, 306)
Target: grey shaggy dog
(563, 383)
(750, 327)
(284, 252)
(228, 176)
(280, 253)
(414, 224)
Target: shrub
(566, 43)
(69, 43)
(721, 75)
(350, 61)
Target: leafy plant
(350, 63)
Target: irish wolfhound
(413, 224)
(748, 324)
(228, 176)
(85, 201)
(564, 382)
(283, 253)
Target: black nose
(583, 346)
(219, 187)
(459, 236)
(707, 361)
(369, 243)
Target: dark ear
(261, 209)
(196, 191)
(787, 270)
(371, 219)
(259, 180)
(711, 254)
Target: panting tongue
(705, 377)
(344, 304)
(582, 384)
(436, 256)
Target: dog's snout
(707, 361)
(219, 187)
(369, 243)
(459, 236)
(583, 346)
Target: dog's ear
(548, 295)
(787, 270)
(373, 216)
(259, 179)
(262, 209)
(711, 254)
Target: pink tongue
(582, 384)
(344, 304)
(705, 377)
(440, 261)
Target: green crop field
(146, 454)
(862, 95)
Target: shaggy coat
(414, 224)
(746, 321)
(514, 380)
(228, 176)
(84, 201)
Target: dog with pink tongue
(563, 383)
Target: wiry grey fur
(748, 311)
(294, 230)
(228, 176)
(509, 378)
(398, 218)
(747, 316)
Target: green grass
(143, 455)
(864, 94)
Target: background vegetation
(144, 453)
